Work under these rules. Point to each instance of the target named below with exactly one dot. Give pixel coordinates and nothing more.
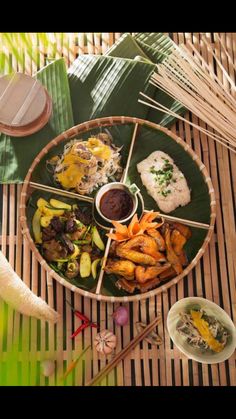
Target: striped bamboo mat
(213, 278)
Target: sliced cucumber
(85, 265)
(94, 267)
(97, 239)
(36, 226)
(59, 204)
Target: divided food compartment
(150, 137)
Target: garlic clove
(105, 342)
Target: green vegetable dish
(67, 239)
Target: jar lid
(25, 105)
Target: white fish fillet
(15, 293)
(178, 190)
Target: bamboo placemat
(213, 278)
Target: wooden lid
(25, 106)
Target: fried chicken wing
(171, 256)
(143, 274)
(183, 229)
(135, 256)
(178, 241)
(147, 250)
(158, 237)
(124, 268)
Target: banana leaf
(17, 154)
(155, 47)
(107, 86)
(126, 47)
(148, 140)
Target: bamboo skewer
(122, 354)
(190, 80)
(161, 108)
(225, 51)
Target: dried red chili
(85, 322)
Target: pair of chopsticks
(57, 191)
(122, 354)
(73, 195)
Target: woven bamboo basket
(109, 122)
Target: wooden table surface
(213, 278)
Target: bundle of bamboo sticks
(185, 76)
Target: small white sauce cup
(120, 186)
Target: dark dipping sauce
(116, 204)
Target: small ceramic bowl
(211, 309)
(111, 186)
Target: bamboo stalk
(69, 331)
(86, 334)
(102, 359)
(110, 326)
(137, 353)
(122, 354)
(147, 378)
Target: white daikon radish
(15, 293)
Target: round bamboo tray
(106, 122)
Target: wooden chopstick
(125, 173)
(57, 191)
(186, 222)
(183, 221)
(122, 354)
(73, 195)
(104, 261)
